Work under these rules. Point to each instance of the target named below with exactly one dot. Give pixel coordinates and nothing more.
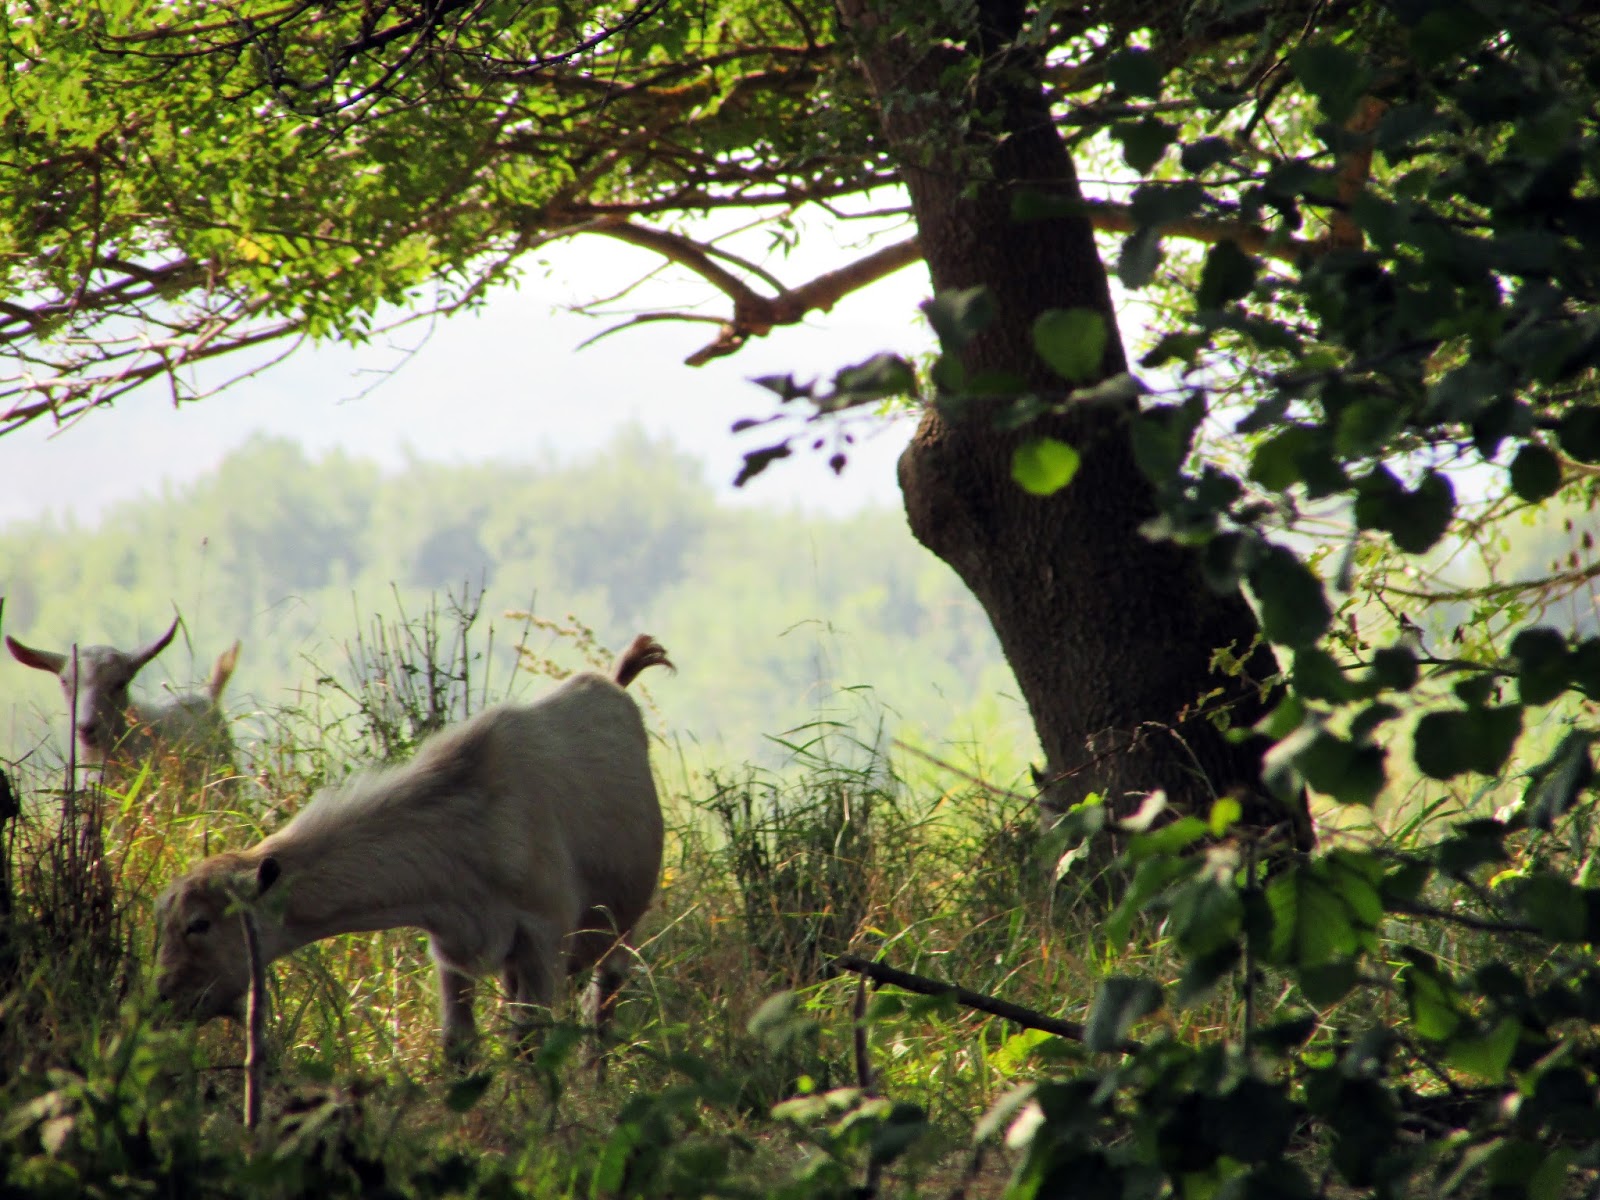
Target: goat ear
(43, 660)
(223, 670)
(267, 874)
(155, 647)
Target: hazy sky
(508, 383)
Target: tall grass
(771, 872)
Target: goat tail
(645, 652)
(223, 671)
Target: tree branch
(1465, 920)
(921, 984)
(756, 315)
(1354, 171)
(1571, 577)
(67, 391)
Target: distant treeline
(774, 617)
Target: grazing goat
(526, 839)
(113, 730)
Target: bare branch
(921, 984)
(647, 319)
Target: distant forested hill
(772, 616)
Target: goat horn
(155, 647)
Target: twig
(863, 1059)
(255, 1053)
(1026, 1017)
(1251, 887)
(993, 789)
(864, 1081)
(1412, 908)
(1575, 576)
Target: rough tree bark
(1111, 635)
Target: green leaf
(1579, 433)
(1415, 519)
(1225, 813)
(1486, 1056)
(1161, 203)
(1557, 906)
(1228, 274)
(1365, 722)
(779, 1021)
(1162, 434)
(1327, 983)
(1204, 916)
(1253, 1120)
(1136, 72)
(1122, 1000)
(1436, 1006)
(1294, 609)
(1333, 75)
(1202, 974)
(1549, 1173)
(1001, 1113)
(1476, 690)
(1043, 466)
(1422, 518)
(1181, 346)
(757, 461)
(1405, 880)
(958, 315)
(1584, 667)
(1559, 781)
(1171, 838)
(900, 1129)
(1541, 657)
(1150, 878)
(1472, 844)
(1141, 255)
(881, 376)
(1312, 924)
(1144, 142)
(1072, 341)
(1535, 473)
(1317, 675)
(1394, 667)
(1447, 744)
(1279, 462)
(464, 1093)
(1351, 773)
(1287, 1034)
(1205, 153)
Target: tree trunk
(1111, 635)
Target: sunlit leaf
(1072, 341)
(1043, 466)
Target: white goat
(526, 839)
(114, 730)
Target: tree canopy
(1394, 306)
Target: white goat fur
(112, 729)
(526, 839)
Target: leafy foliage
(1384, 358)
